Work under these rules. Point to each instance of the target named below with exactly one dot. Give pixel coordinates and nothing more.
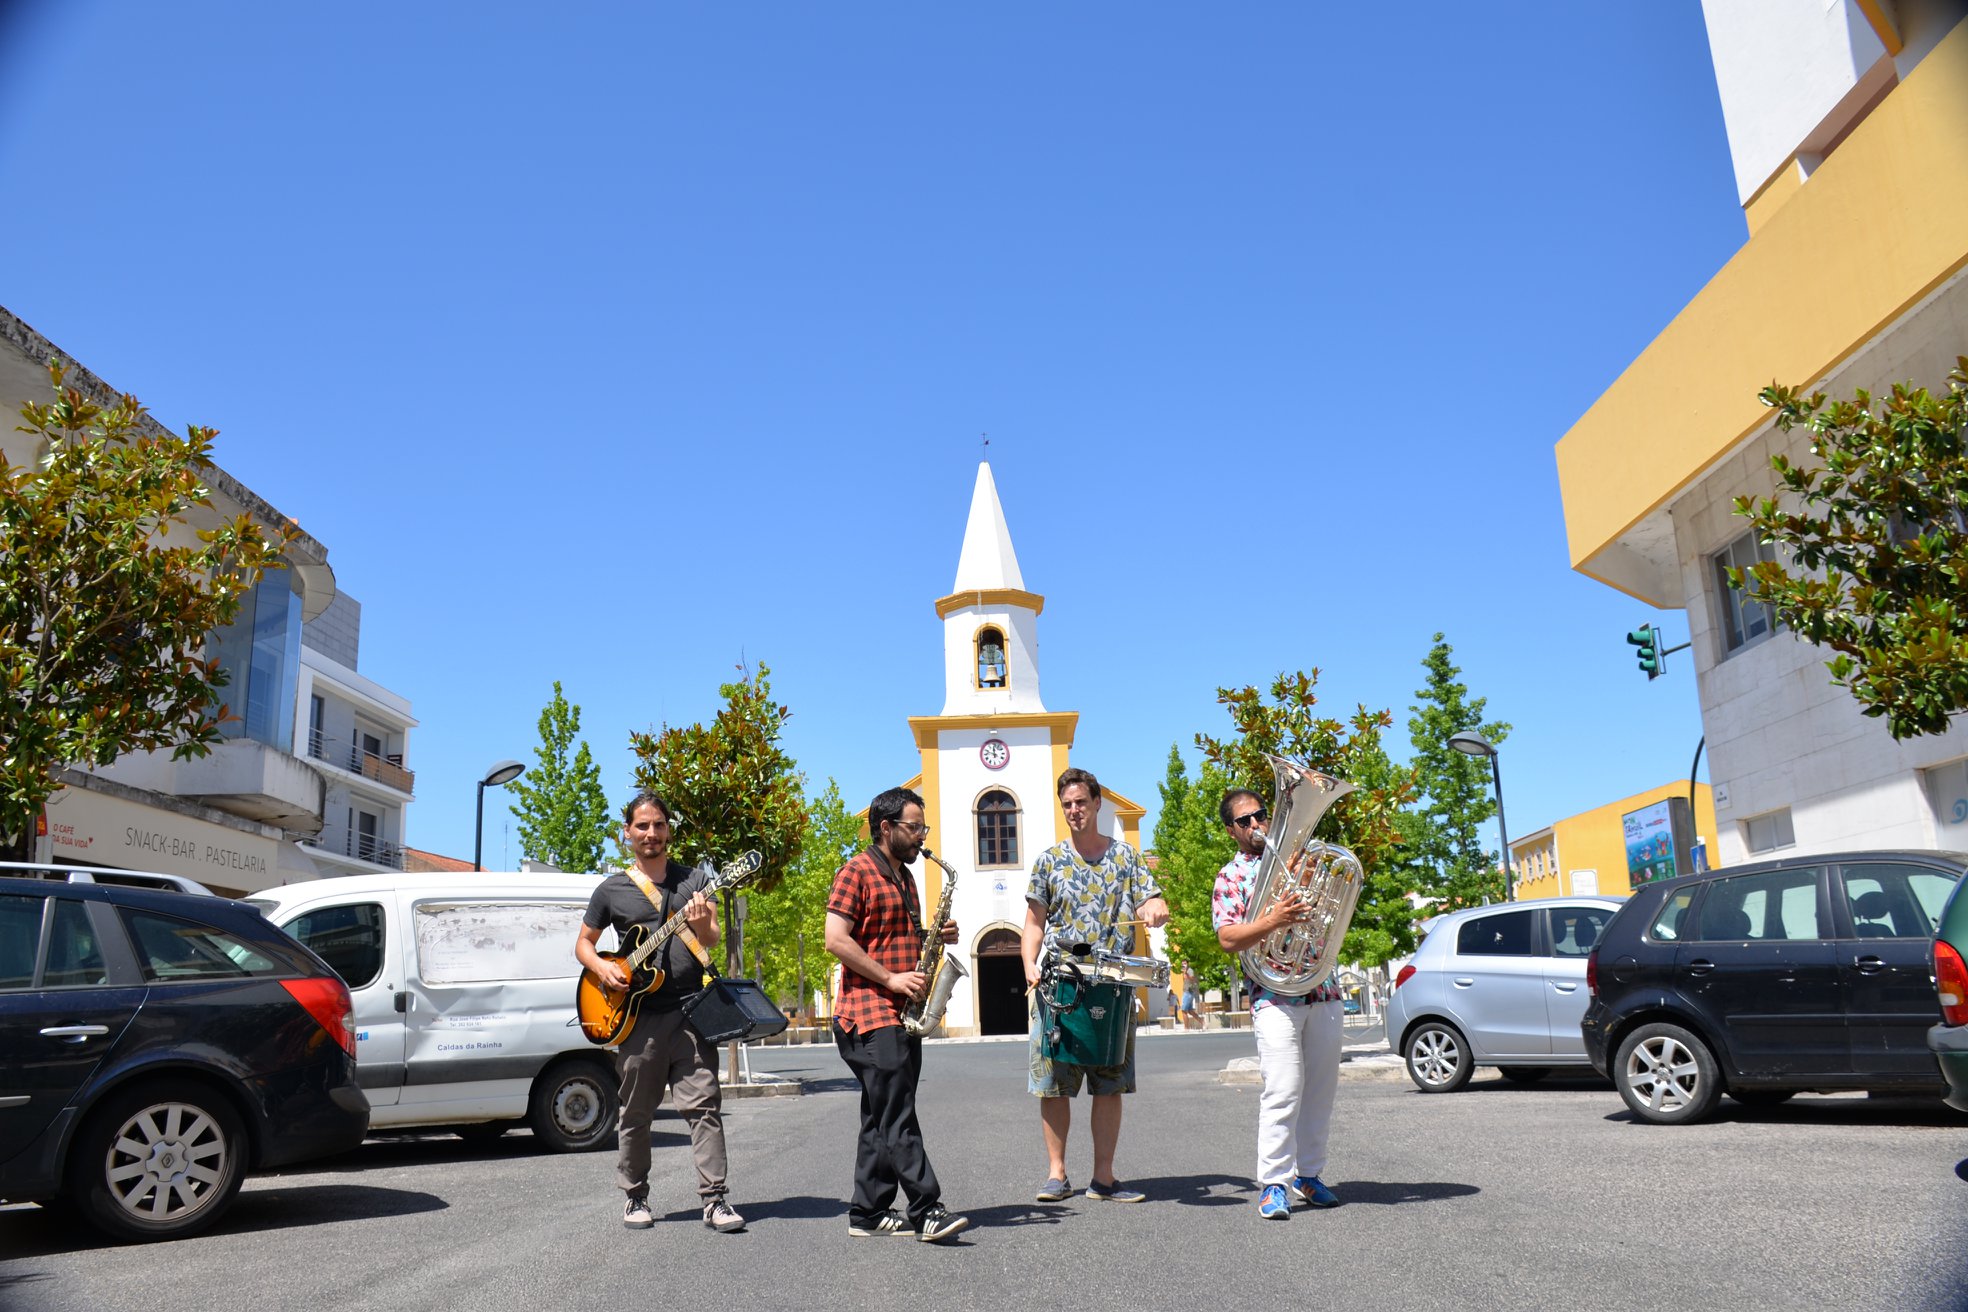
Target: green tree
(563, 812)
(108, 594)
(1444, 857)
(1876, 550)
(732, 784)
(1191, 845)
(776, 920)
(1364, 821)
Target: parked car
(72, 874)
(464, 999)
(1766, 980)
(1948, 1039)
(1499, 986)
(157, 1046)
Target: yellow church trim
(956, 601)
(1882, 26)
(1062, 724)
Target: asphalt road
(1543, 1196)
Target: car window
(172, 949)
(75, 957)
(1507, 934)
(1575, 930)
(1895, 899)
(1768, 907)
(348, 938)
(20, 939)
(1667, 925)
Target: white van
(464, 999)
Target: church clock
(994, 754)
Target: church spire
(987, 562)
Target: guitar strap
(661, 903)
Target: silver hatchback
(1499, 986)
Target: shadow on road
(1390, 1193)
(47, 1231)
(800, 1207)
(1834, 1109)
(1196, 1190)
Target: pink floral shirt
(1230, 905)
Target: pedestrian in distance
(875, 928)
(1298, 1039)
(1090, 890)
(661, 1048)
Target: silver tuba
(1297, 958)
(921, 1015)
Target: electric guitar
(606, 1014)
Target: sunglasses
(1244, 821)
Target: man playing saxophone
(1298, 1038)
(874, 925)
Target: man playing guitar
(660, 1048)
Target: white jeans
(1298, 1054)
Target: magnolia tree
(108, 594)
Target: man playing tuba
(1298, 1038)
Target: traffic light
(1647, 639)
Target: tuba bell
(1297, 958)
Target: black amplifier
(734, 1009)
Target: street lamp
(502, 773)
(1475, 744)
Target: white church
(989, 761)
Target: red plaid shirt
(884, 917)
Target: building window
(991, 671)
(261, 651)
(1745, 620)
(997, 829)
(1767, 833)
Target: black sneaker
(719, 1217)
(635, 1212)
(938, 1225)
(888, 1223)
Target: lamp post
(504, 772)
(1475, 744)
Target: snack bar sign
(105, 830)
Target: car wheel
(1438, 1057)
(158, 1161)
(1762, 1097)
(574, 1106)
(1666, 1075)
(1523, 1074)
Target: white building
(1848, 126)
(310, 779)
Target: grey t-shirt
(619, 903)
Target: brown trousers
(663, 1050)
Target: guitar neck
(657, 938)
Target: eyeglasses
(910, 826)
(1244, 821)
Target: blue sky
(614, 344)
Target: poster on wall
(1658, 841)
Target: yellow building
(1848, 128)
(1586, 853)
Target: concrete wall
(337, 632)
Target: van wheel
(160, 1161)
(1667, 1075)
(1438, 1057)
(574, 1106)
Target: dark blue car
(155, 1047)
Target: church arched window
(997, 829)
(991, 669)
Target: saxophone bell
(940, 967)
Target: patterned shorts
(1062, 1079)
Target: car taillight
(1592, 972)
(1407, 973)
(1951, 983)
(328, 1001)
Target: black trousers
(888, 1063)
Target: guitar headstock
(736, 873)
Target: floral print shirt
(1230, 905)
(1082, 900)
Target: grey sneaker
(888, 1223)
(1112, 1192)
(1056, 1190)
(719, 1217)
(939, 1225)
(635, 1212)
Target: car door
(1496, 985)
(62, 1010)
(354, 938)
(1885, 957)
(1760, 969)
(1569, 935)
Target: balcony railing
(363, 847)
(385, 770)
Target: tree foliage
(1445, 858)
(1876, 545)
(108, 595)
(731, 783)
(797, 906)
(563, 813)
(1365, 821)
(1191, 845)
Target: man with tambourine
(661, 1048)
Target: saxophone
(921, 1015)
